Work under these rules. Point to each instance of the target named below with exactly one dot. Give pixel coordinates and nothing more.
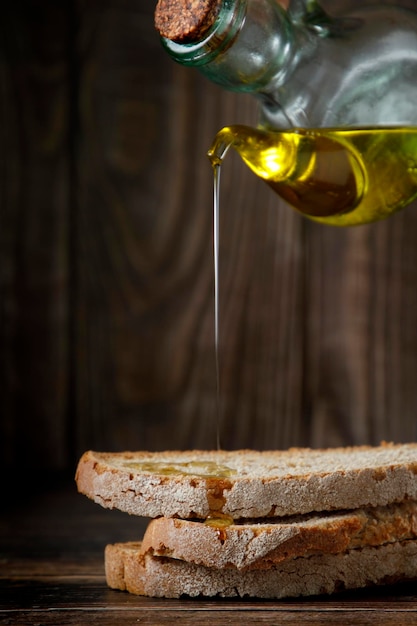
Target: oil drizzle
(220, 523)
(216, 242)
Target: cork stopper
(185, 21)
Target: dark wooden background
(106, 264)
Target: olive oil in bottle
(337, 176)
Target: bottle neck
(249, 45)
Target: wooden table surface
(51, 559)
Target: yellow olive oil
(337, 176)
(202, 469)
(219, 520)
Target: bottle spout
(226, 138)
(312, 170)
(267, 154)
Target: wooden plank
(90, 591)
(362, 329)
(71, 616)
(68, 602)
(34, 180)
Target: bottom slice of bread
(128, 569)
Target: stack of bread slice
(259, 524)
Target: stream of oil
(216, 241)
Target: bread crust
(252, 544)
(249, 484)
(128, 569)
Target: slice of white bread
(262, 544)
(127, 568)
(247, 483)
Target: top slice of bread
(247, 483)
